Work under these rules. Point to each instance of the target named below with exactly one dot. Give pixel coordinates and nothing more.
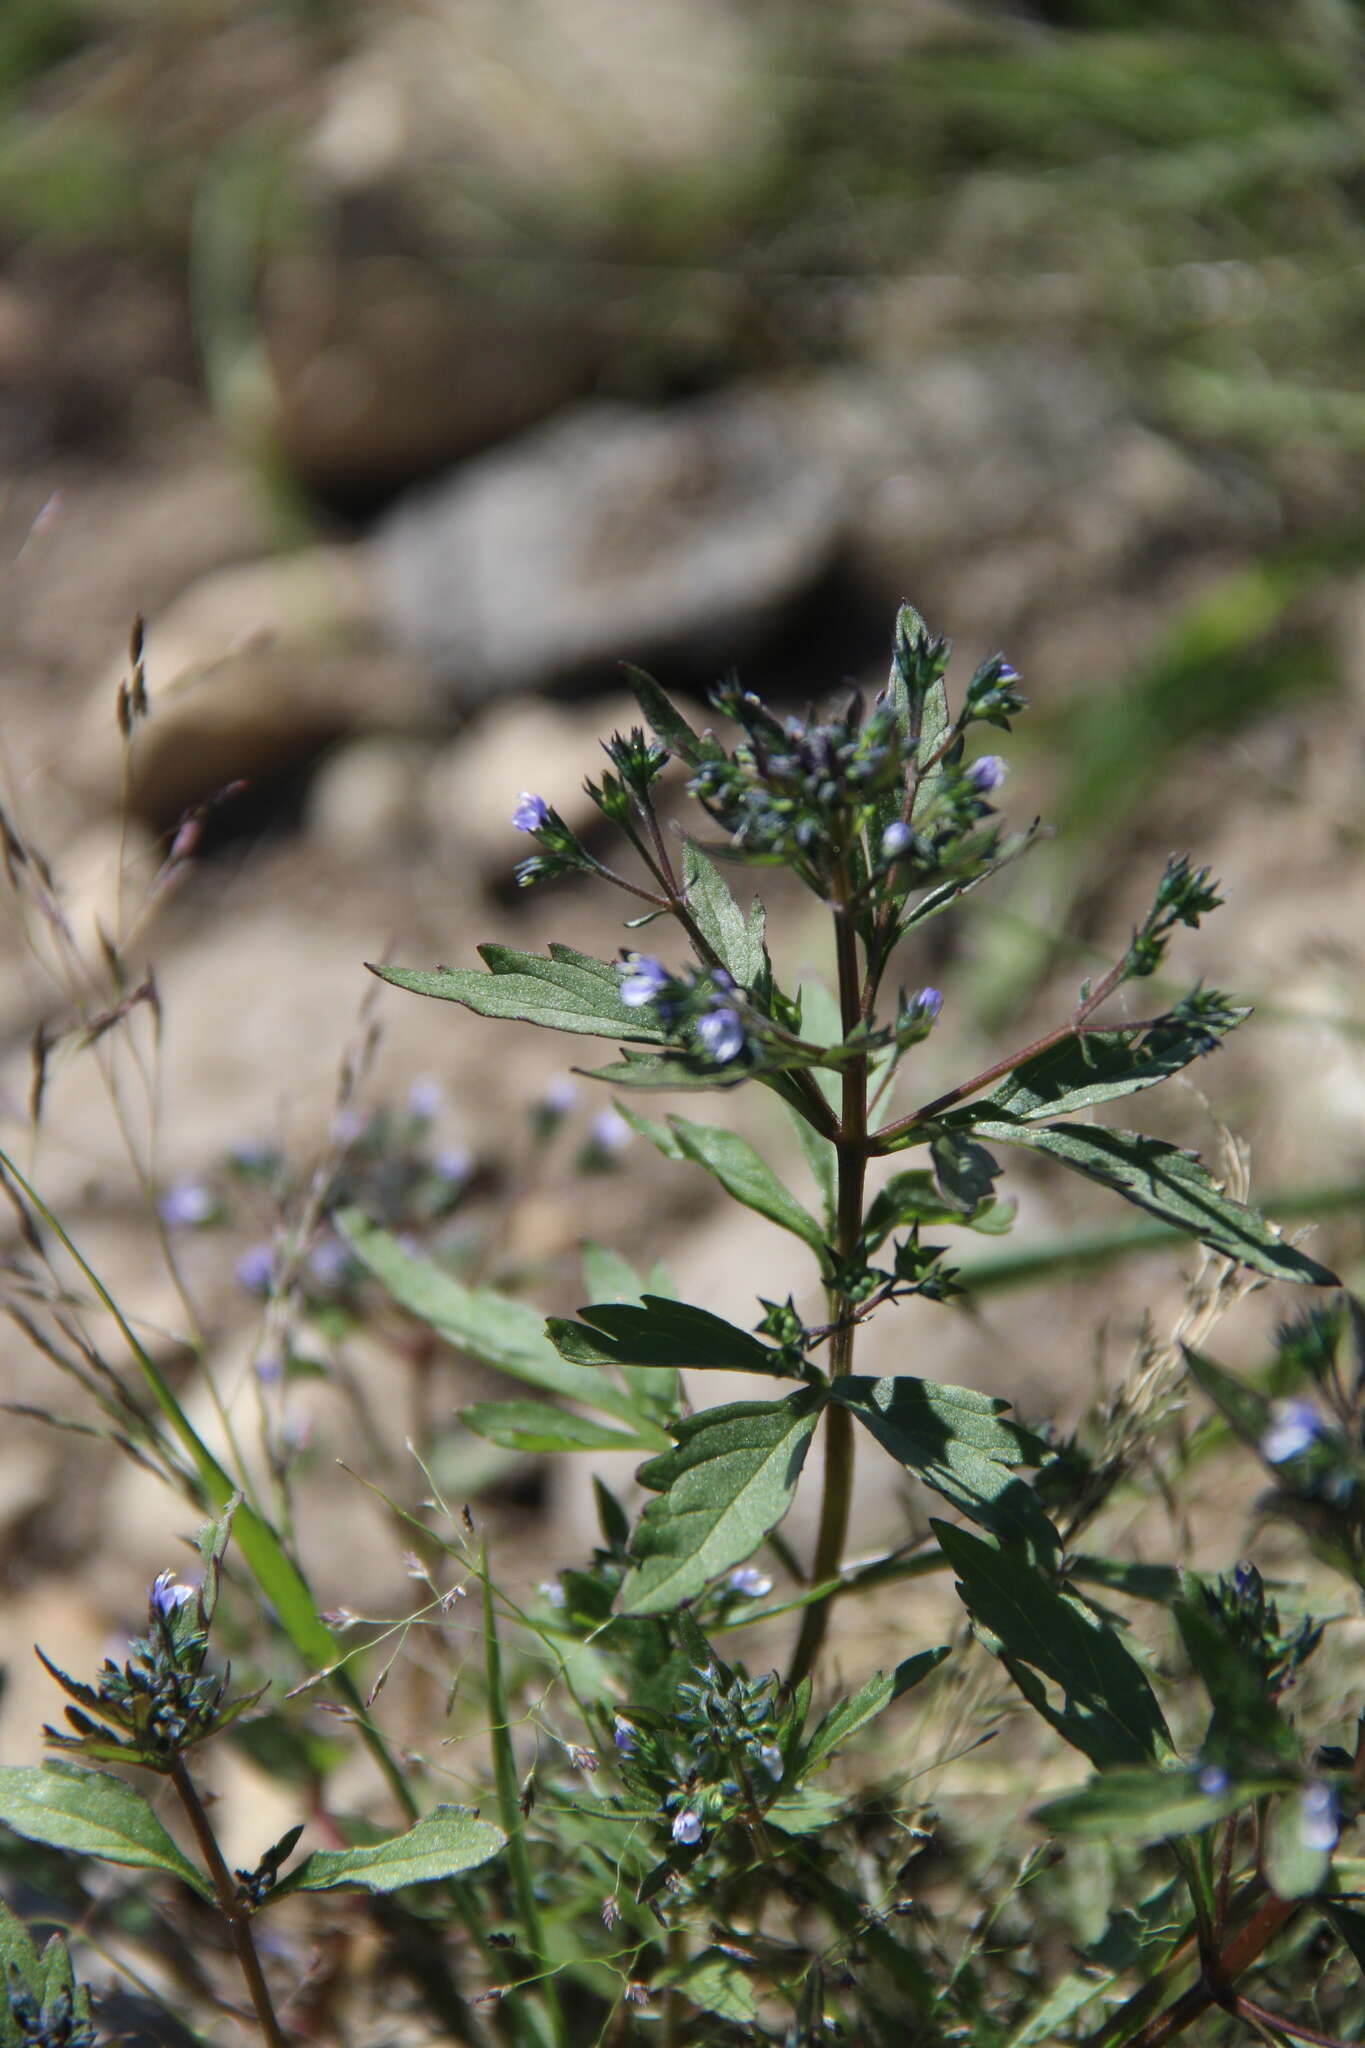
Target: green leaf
(569, 991)
(662, 1333)
(1245, 1407)
(1147, 1805)
(1170, 1184)
(1246, 1720)
(507, 1334)
(607, 1276)
(736, 940)
(911, 1197)
(729, 1481)
(863, 1706)
(1040, 1631)
(444, 1843)
(823, 1162)
(746, 1175)
(94, 1814)
(1349, 1925)
(1294, 1867)
(966, 1172)
(665, 721)
(1083, 1071)
(716, 1983)
(954, 1440)
(1068, 1997)
(536, 1426)
(654, 1070)
(945, 894)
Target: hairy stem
(232, 1907)
(851, 1149)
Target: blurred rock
(364, 800)
(619, 533)
(250, 672)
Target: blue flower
(927, 1002)
(986, 774)
(770, 1756)
(255, 1269)
(532, 813)
(1293, 1427)
(1318, 1817)
(644, 979)
(425, 1098)
(753, 1584)
(609, 1131)
(896, 840)
(624, 1737)
(186, 1204)
(721, 1033)
(1212, 1781)
(454, 1163)
(167, 1593)
(559, 1097)
(687, 1827)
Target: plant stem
(509, 1806)
(232, 1907)
(851, 1149)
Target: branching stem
(231, 1905)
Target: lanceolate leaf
(94, 1814)
(662, 1333)
(746, 1175)
(1083, 1071)
(665, 720)
(738, 941)
(444, 1843)
(1147, 1805)
(729, 1481)
(1039, 1632)
(490, 1326)
(569, 991)
(864, 1705)
(1168, 1183)
(953, 1439)
(536, 1426)
(1245, 1407)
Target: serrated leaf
(854, 1713)
(536, 1426)
(1099, 1067)
(1168, 1183)
(94, 1814)
(1109, 1711)
(1147, 1805)
(954, 1439)
(737, 940)
(730, 1479)
(568, 991)
(507, 1334)
(746, 1174)
(665, 720)
(659, 1332)
(444, 1843)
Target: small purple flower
(1318, 1817)
(269, 1371)
(532, 813)
(927, 1003)
(552, 1591)
(1293, 1427)
(624, 1737)
(348, 1125)
(751, 1582)
(896, 840)
(687, 1827)
(255, 1268)
(425, 1098)
(560, 1096)
(1212, 1781)
(454, 1163)
(721, 1033)
(609, 1131)
(986, 774)
(644, 979)
(770, 1756)
(167, 1593)
(328, 1262)
(186, 1204)
(1007, 673)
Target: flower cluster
(161, 1700)
(704, 1008)
(1238, 1605)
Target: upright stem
(230, 1904)
(851, 1159)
